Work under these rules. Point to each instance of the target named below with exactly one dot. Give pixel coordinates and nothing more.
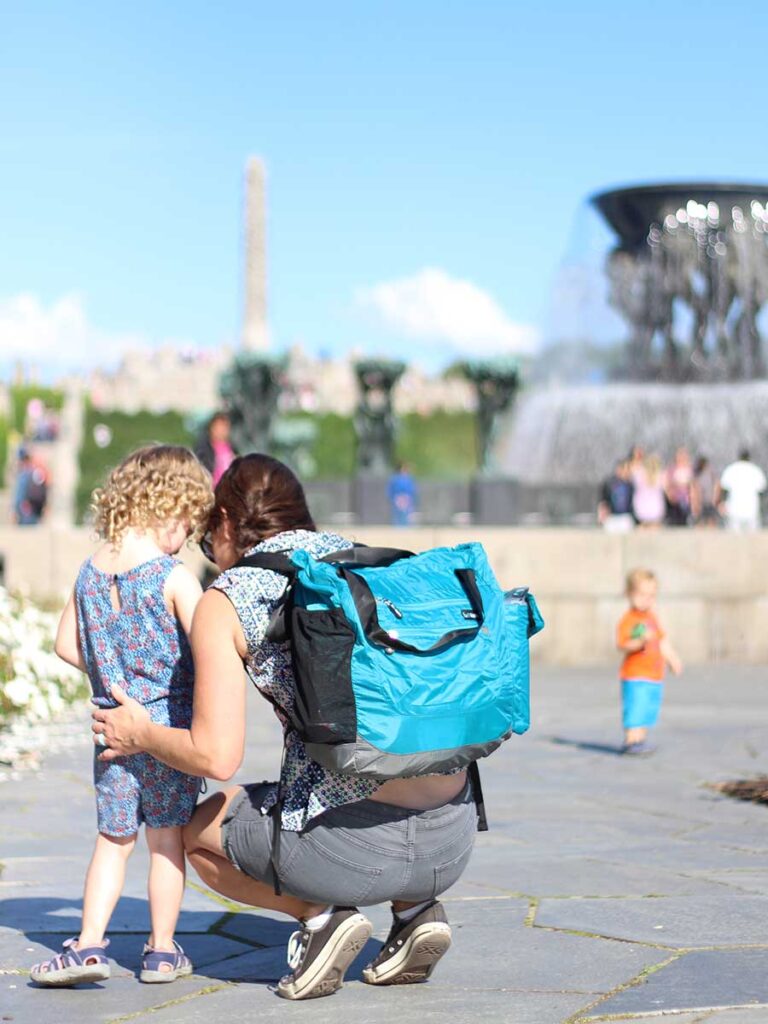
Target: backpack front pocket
(322, 643)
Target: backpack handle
(279, 561)
(360, 554)
(365, 603)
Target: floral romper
(144, 649)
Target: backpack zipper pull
(392, 607)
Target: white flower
(19, 692)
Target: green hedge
(21, 395)
(4, 431)
(129, 431)
(440, 445)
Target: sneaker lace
(295, 950)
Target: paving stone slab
(258, 928)
(121, 995)
(548, 875)
(244, 1004)
(746, 836)
(682, 854)
(720, 920)
(698, 981)
(29, 913)
(538, 960)
(744, 1015)
(673, 1018)
(748, 881)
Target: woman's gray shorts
(359, 854)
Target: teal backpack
(404, 664)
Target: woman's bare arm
(213, 745)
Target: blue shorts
(135, 789)
(640, 702)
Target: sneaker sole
(71, 976)
(416, 960)
(164, 977)
(326, 974)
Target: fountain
(687, 273)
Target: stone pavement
(607, 888)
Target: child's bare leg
(635, 735)
(103, 885)
(166, 884)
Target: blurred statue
(374, 416)
(496, 382)
(690, 278)
(250, 389)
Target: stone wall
(713, 598)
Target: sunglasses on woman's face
(206, 545)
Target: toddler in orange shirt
(647, 652)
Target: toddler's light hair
(638, 576)
(152, 486)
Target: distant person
(647, 652)
(614, 510)
(214, 448)
(31, 494)
(403, 496)
(126, 624)
(636, 460)
(649, 502)
(678, 482)
(705, 494)
(743, 483)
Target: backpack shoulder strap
(277, 561)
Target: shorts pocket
(317, 874)
(450, 871)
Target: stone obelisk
(255, 333)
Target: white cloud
(59, 335)
(437, 308)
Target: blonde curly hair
(151, 486)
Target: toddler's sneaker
(642, 749)
(320, 958)
(412, 949)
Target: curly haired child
(126, 624)
(647, 652)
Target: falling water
(574, 435)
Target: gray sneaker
(412, 949)
(320, 958)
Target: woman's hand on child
(118, 729)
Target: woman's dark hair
(701, 464)
(262, 497)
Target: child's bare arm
(671, 656)
(67, 644)
(631, 646)
(182, 592)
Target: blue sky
(417, 152)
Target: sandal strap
(71, 957)
(153, 959)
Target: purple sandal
(73, 966)
(153, 960)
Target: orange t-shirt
(647, 663)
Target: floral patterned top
(308, 789)
(142, 646)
